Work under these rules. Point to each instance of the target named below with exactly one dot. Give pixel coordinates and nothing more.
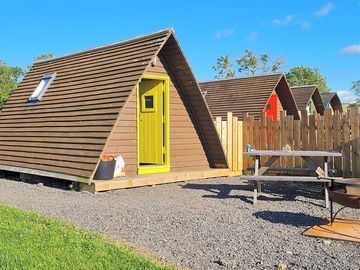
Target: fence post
(229, 139)
(235, 143)
(337, 141)
(224, 136)
(218, 125)
(282, 136)
(328, 122)
(304, 130)
(346, 144)
(290, 137)
(355, 141)
(240, 146)
(245, 139)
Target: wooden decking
(153, 179)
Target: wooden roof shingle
(303, 95)
(333, 99)
(247, 95)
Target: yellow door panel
(151, 127)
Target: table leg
(331, 202)
(326, 174)
(326, 197)
(314, 166)
(326, 169)
(260, 170)
(257, 187)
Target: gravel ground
(207, 224)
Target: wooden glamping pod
(135, 100)
(331, 101)
(253, 95)
(308, 98)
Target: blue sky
(323, 34)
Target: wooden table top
(354, 182)
(293, 153)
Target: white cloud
(286, 21)
(276, 22)
(353, 49)
(325, 10)
(224, 33)
(252, 36)
(305, 24)
(346, 96)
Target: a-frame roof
(303, 95)
(64, 135)
(333, 99)
(247, 95)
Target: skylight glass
(41, 88)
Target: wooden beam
(152, 179)
(44, 173)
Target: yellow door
(151, 122)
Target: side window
(268, 106)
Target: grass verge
(31, 241)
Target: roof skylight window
(39, 91)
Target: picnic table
(307, 156)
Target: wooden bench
(307, 156)
(280, 178)
(284, 169)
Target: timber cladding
(247, 95)
(90, 109)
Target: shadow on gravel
(39, 180)
(279, 191)
(221, 191)
(288, 218)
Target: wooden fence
(230, 132)
(332, 131)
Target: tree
(224, 68)
(249, 64)
(307, 76)
(40, 57)
(9, 79)
(356, 89)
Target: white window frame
(36, 99)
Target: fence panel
(333, 131)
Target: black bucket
(105, 170)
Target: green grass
(31, 241)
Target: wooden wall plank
(240, 145)
(329, 143)
(297, 141)
(235, 144)
(245, 139)
(346, 145)
(355, 141)
(290, 138)
(337, 141)
(229, 151)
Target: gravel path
(208, 224)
